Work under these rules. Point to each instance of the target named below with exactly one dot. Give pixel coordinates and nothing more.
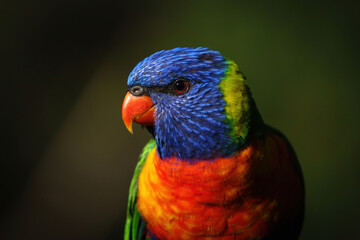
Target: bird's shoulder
(279, 144)
(135, 226)
(273, 132)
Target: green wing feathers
(135, 226)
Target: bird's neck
(191, 140)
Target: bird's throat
(151, 130)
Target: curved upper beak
(139, 109)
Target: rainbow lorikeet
(213, 169)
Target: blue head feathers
(163, 67)
(189, 124)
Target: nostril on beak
(137, 90)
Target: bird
(212, 168)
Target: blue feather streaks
(189, 126)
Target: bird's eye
(181, 86)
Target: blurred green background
(67, 159)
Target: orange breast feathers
(244, 196)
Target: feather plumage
(214, 169)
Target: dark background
(67, 159)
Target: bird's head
(193, 101)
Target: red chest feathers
(243, 196)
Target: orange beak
(139, 109)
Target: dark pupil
(180, 86)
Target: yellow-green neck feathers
(239, 106)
